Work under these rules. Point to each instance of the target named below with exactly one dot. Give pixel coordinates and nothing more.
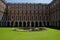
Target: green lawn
(49, 34)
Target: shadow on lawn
(54, 27)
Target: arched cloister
(24, 24)
(40, 24)
(36, 24)
(28, 24)
(8, 24)
(12, 24)
(20, 24)
(16, 24)
(32, 24)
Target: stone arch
(12, 23)
(20, 24)
(28, 24)
(44, 23)
(47, 23)
(59, 23)
(56, 23)
(0, 24)
(40, 24)
(8, 24)
(24, 24)
(32, 24)
(36, 24)
(4, 24)
(16, 24)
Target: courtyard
(49, 34)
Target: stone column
(0, 23)
(34, 23)
(10, 23)
(26, 24)
(46, 23)
(6, 23)
(30, 24)
(18, 23)
(57, 24)
(22, 24)
(13, 23)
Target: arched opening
(28, 24)
(0, 24)
(44, 23)
(36, 24)
(47, 23)
(59, 23)
(8, 24)
(16, 24)
(11, 24)
(20, 24)
(4, 24)
(32, 24)
(56, 24)
(40, 24)
(24, 24)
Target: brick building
(26, 14)
(55, 13)
(2, 8)
(34, 15)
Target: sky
(29, 1)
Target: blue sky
(29, 1)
